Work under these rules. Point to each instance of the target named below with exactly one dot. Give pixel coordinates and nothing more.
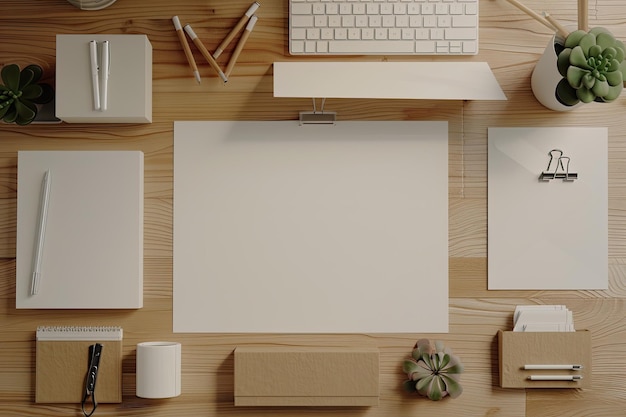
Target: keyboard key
(358, 9)
(372, 8)
(470, 47)
(375, 21)
(456, 47)
(389, 21)
(416, 21)
(456, 8)
(347, 21)
(332, 8)
(428, 9)
(312, 33)
(360, 21)
(441, 8)
(319, 8)
(301, 8)
(327, 33)
(320, 21)
(430, 21)
(443, 47)
(341, 33)
(298, 33)
(297, 47)
(378, 47)
(460, 33)
(402, 21)
(301, 21)
(399, 8)
(444, 21)
(425, 47)
(464, 21)
(334, 21)
(436, 34)
(395, 33)
(422, 34)
(386, 9)
(471, 9)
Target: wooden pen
(561, 30)
(531, 13)
(185, 45)
(236, 29)
(240, 45)
(205, 53)
(583, 15)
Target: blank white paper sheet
(548, 235)
(281, 228)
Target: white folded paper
(542, 318)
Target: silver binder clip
(318, 117)
(557, 169)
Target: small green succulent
(592, 65)
(433, 371)
(20, 92)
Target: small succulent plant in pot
(592, 66)
(433, 371)
(21, 93)
(580, 67)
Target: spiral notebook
(62, 360)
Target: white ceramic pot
(91, 4)
(545, 78)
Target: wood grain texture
(510, 41)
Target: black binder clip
(95, 353)
(560, 169)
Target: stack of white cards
(542, 318)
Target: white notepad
(93, 248)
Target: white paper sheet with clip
(547, 234)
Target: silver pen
(41, 232)
(554, 367)
(106, 66)
(555, 377)
(95, 70)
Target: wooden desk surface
(510, 41)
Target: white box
(129, 83)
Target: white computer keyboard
(383, 27)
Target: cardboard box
(61, 367)
(517, 349)
(306, 376)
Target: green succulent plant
(20, 92)
(433, 371)
(592, 65)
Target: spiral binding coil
(79, 333)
